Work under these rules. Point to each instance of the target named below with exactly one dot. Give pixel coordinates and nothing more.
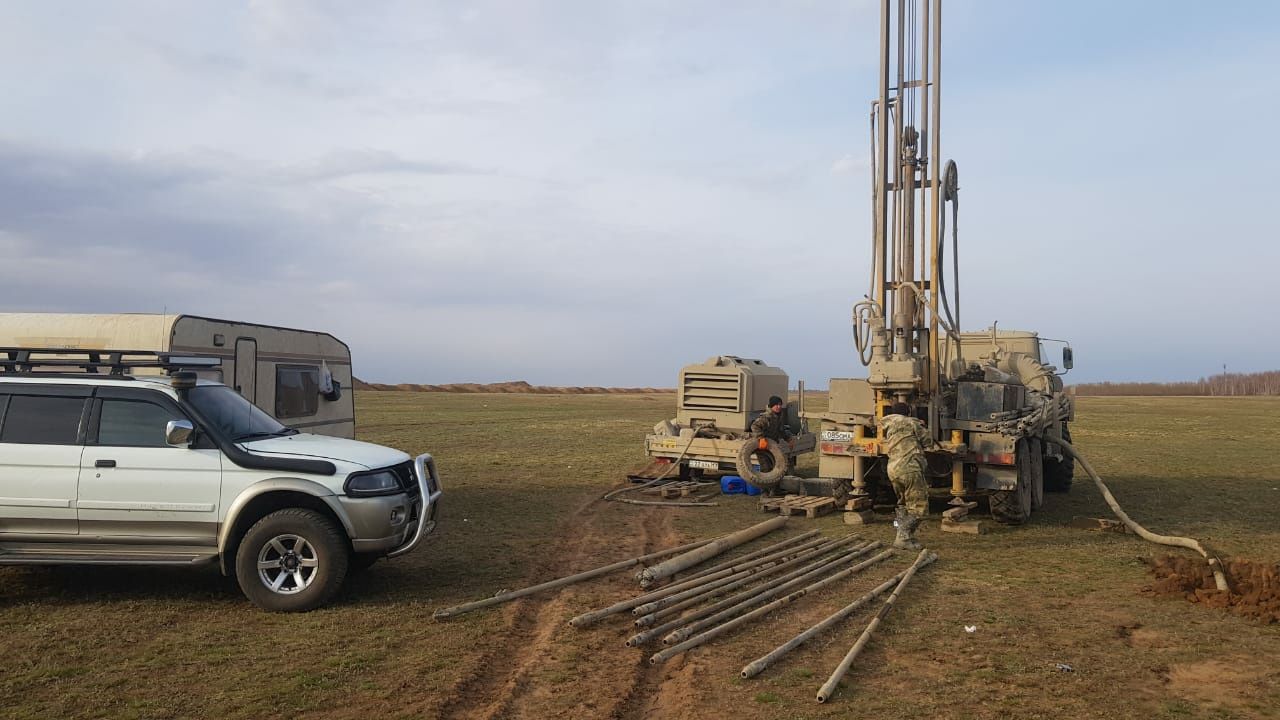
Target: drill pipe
(688, 631)
(667, 568)
(644, 637)
(665, 607)
(719, 630)
(760, 664)
(589, 618)
(560, 582)
(762, 552)
(829, 687)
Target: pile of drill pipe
(762, 556)
(667, 568)
(665, 607)
(561, 582)
(759, 665)
(748, 598)
(808, 557)
(727, 625)
(769, 592)
(829, 687)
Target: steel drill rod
(561, 582)
(669, 567)
(666, 607)
(761, 664)
(762, 552)
(594, 616)
(829, 687)
(644, 637)
(741, 620)
(690, 630)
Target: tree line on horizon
(1223, 385)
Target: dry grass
(519, 470)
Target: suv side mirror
(178, 432)
(1066, 357)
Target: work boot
(906, 523)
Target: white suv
(171, 470)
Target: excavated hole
(1255, 586)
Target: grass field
(521, 473)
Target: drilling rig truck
(988, 398)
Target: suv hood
(324, 447)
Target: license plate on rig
(837, 436)
(704, 464)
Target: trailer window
(297, 390)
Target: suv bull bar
(424, 468)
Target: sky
(598, 193)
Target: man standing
(772, 423)
(905, 441)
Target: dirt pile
(517, 386)
(1255, 587)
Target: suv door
(41, 436)
(135, 485)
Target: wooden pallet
(679, 488)
(811, 506)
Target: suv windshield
(236, 417)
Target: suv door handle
(104, 463)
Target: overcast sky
(601, 192)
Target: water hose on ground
(665, 503)
(1215, 564)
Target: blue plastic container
(734, 485)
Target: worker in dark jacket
(772, 423)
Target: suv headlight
(380, 482)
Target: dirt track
(508, 681)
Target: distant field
(521, 472)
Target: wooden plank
(964, 527)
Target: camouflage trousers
(908, 481)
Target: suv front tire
(292, 560)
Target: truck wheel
(1035, 464)
(1058, 474)
(292, 560)
(772, 462)
(1013, 507)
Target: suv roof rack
(116, 362)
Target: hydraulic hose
(1215, 564)
(950, 193)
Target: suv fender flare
(258, 489)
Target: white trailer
(281, 370)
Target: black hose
(950, 193)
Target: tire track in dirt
(505, 683)
(664, 691)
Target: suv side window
(133, 423)
(42, 420)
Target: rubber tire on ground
(332, 555)
(1036, 466)
(1013, 507)
(1058, 474)
(777, 462)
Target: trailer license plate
(837, 436)
(704, 464)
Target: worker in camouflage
(772, 423)
(905, 441)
